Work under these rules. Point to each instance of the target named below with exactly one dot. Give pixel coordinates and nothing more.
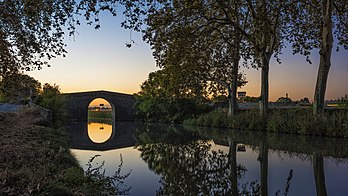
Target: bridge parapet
(77, 104)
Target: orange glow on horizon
(98, 101)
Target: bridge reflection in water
(99, 132)
(199, 161)
(100, 136)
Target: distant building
(241, 94)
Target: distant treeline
(100, 114)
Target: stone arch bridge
(77, 104)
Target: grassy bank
(35, 160)
(295, 121)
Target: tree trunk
(232, 91)
(263, 158)
(319, 175)
(264, 85)
(325, 58)
(232, 158)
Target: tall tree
(313, 29)
(268, 32)
(32, 32)
(182, 35)
(253, 27)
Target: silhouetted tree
(185, 39)
(314, 25)
(255, 29)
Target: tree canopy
(184, 39)
(316, 29)
(32, 32)
(209, 37)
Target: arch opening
(101, 117)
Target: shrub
(50, 98)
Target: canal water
(174, 160)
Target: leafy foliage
(207, 38)
(18, 87)
(163, 98)
(316, 29)
(185, 42)
(21, 88)
(343, 101)
(50, 98)
(32, 32)
(250, 99)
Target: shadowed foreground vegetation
(35, 160)
(302, 121)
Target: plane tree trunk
(264, 85)
(325, 58)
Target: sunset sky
(99, 60)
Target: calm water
(172, 160)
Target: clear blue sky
(99, 60)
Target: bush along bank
(334, 123)
(36, 160)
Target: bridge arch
(77, 105)
(113, 109)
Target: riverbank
(36, 160)
(300, 121)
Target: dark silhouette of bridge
(77, 105)
(122, 136)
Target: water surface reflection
(196, 161)
(99, 132)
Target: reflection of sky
(99, 132)
(99, 60)
(142, 180)
(146, 182)
(279, 166)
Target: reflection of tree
(232, 157)
(319, 176)
(263, 158)
(189, 166)
(192, 168)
